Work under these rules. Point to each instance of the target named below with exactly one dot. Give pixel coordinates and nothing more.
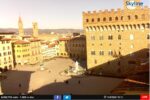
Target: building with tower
(35, 29)
(27, 48)
(20, 26)
(113, 38)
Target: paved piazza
(50, 81)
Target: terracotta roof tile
(21, 42)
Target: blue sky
(51, 14)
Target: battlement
(111, 11)
(103, 11)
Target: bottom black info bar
(73, 97)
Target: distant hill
(29, 30)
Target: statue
(42, 67)
(76, 67)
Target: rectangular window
(110, 53)
(3, 48)
(101, 53)
(4, 53)
(3, 42)
(119, 37)
(92, 52)
(110, 37)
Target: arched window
(148, 36)
(92, 19)
(98, 27)
(110, 18)
(122, 26)
(110, 52)
(119, 37)
(129, 17)
(148, 25)
(110, 37)
(98, 19)
(87, 20)
(101, 52)
(136, 17)
(134, 26)
(143, 25)
(121, 17)
(118, 27)
(104, 19)
(116, 18)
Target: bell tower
(35, 29)
(20, 26)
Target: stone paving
(50, 81)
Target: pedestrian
(79, 82)
(20, 85)
(67, 82)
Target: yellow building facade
(21, 52)
(113, 37)
(35, 51)
(62, 47)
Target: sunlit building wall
(48, 51)
(62, 47)
(21, 52)
(114, 34)
(35, 51)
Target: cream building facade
(6, 54)
(48, 51)
(113, 37)
(62, 47)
